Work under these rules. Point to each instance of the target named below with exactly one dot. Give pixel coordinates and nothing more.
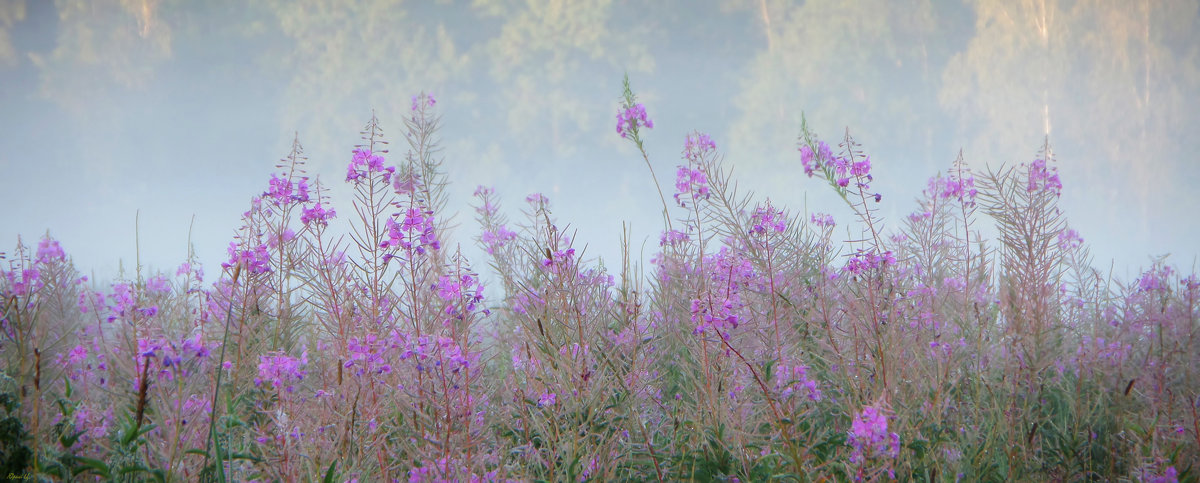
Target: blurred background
(174, 112)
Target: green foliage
(15, 455)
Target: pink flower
(812, 161)
(28, 283)
(257, 260)
(632, 117)
(767, 218)
(690, 183)
(364, 163)
(822, 220)
(158, 284)
(672, 238)
(493, 240)
(1042, 177)
(50, 251)
(417, 227)
(1069, 240)
(869, 437)
(317, 214)
(281, 370)
(77, 355)
(422, 100)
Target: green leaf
(62, 407)
(245, 457)
(329, 473)
(919, 448)
(70, 440)
(133, 469)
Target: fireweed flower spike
(869, 436)
(284, 190)
(767, 219)
(630, 118)
(363, 163)
(317, 214)
(421, 100)
(49, 251)
(813, 161)
(1042, 177)
(691, 181)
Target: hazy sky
(179, 109)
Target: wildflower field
(757, 344)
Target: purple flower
(1169, 475)
(281, 370)
(537, 200)
(28, 283)
(485, 194)
(462, 289)
(449, 288)
(274, 240)
(869, 437)
(302, 190)
(421, 100)
(1156, 278)
(1044, 178)
(1069, 240)
(187, 269)
(690, 183)
(158, 284)
(280, 190)
(806, 160)
(822, 220)
(454, 355)
(416, 231)
(257, 260)
(861, 262)
(692, 179)
(77, 355)
(364, 163)
(149, 347)
(317, 214)
(721, 307)
(812, 161)
(672, 238)
(767, 218)
(195, 346)
(861, 168)
(547, 399)
(560, 257)
(123, 301)
(408, 183)
(50, 251)
(962, 190)
(629, 119)
(283, 190)
(493, 240)
(789, 380)
(698, 144)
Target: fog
(131, 127)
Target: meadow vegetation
(759, 343)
